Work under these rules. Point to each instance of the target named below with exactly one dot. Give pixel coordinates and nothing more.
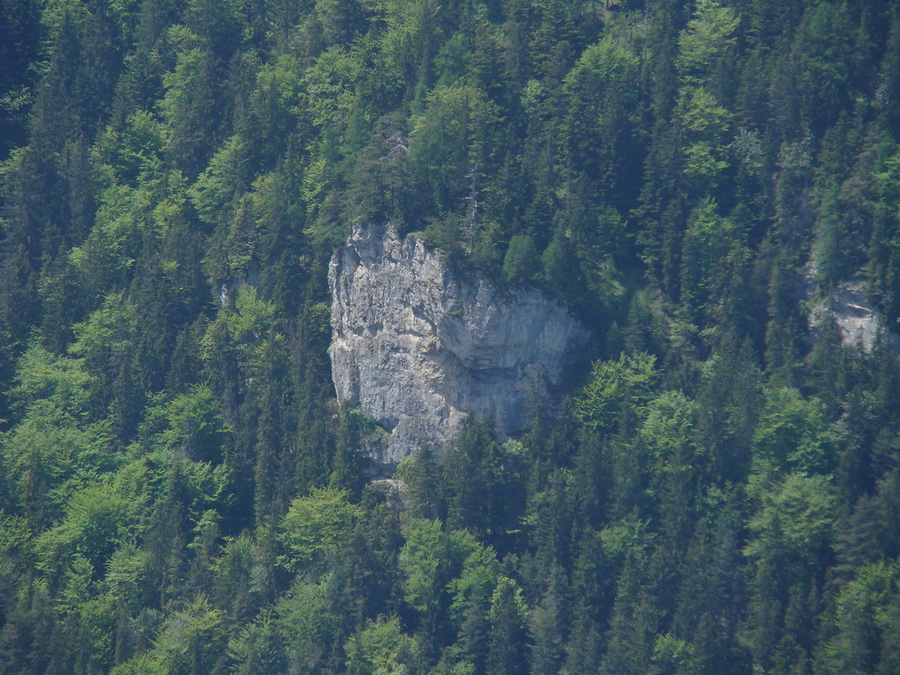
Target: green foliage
(708, 37)
(507, 635)
(96, 519)
(708, 240)
(145, 664)
(381, 648)
(719, 494)
(135, 153)
(473, 589)
(668, 425)
(794, 434)
(794, 522)
(194, 425)
(454, 136)
(328, 85)
(315, 527)
(303, 617)
(192, 639)
(126, 574)
(421, 560)
(671, 655)
(599, 126)
(43, 376)
(259, 647)
(615, 388)
(520, 261)
(244, 322)
(222, 181)
(866, 613)
(706, 125)
(49, 455)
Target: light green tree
(381, 648)
(615, 387)
(316, 526)
(709, 36)
(794, 434)
(794, 521)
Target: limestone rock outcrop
(858, 321)
(419, 348)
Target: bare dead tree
(471, 220)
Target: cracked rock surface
(420, 348)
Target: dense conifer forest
(179, 490)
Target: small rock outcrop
(854, 314)
(420, 348)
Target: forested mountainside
(181, 493)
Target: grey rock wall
(420, 348)
(858, 321)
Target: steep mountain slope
(715, 492)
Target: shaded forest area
(180, 493)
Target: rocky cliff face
(858, 322)
(419, 348)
